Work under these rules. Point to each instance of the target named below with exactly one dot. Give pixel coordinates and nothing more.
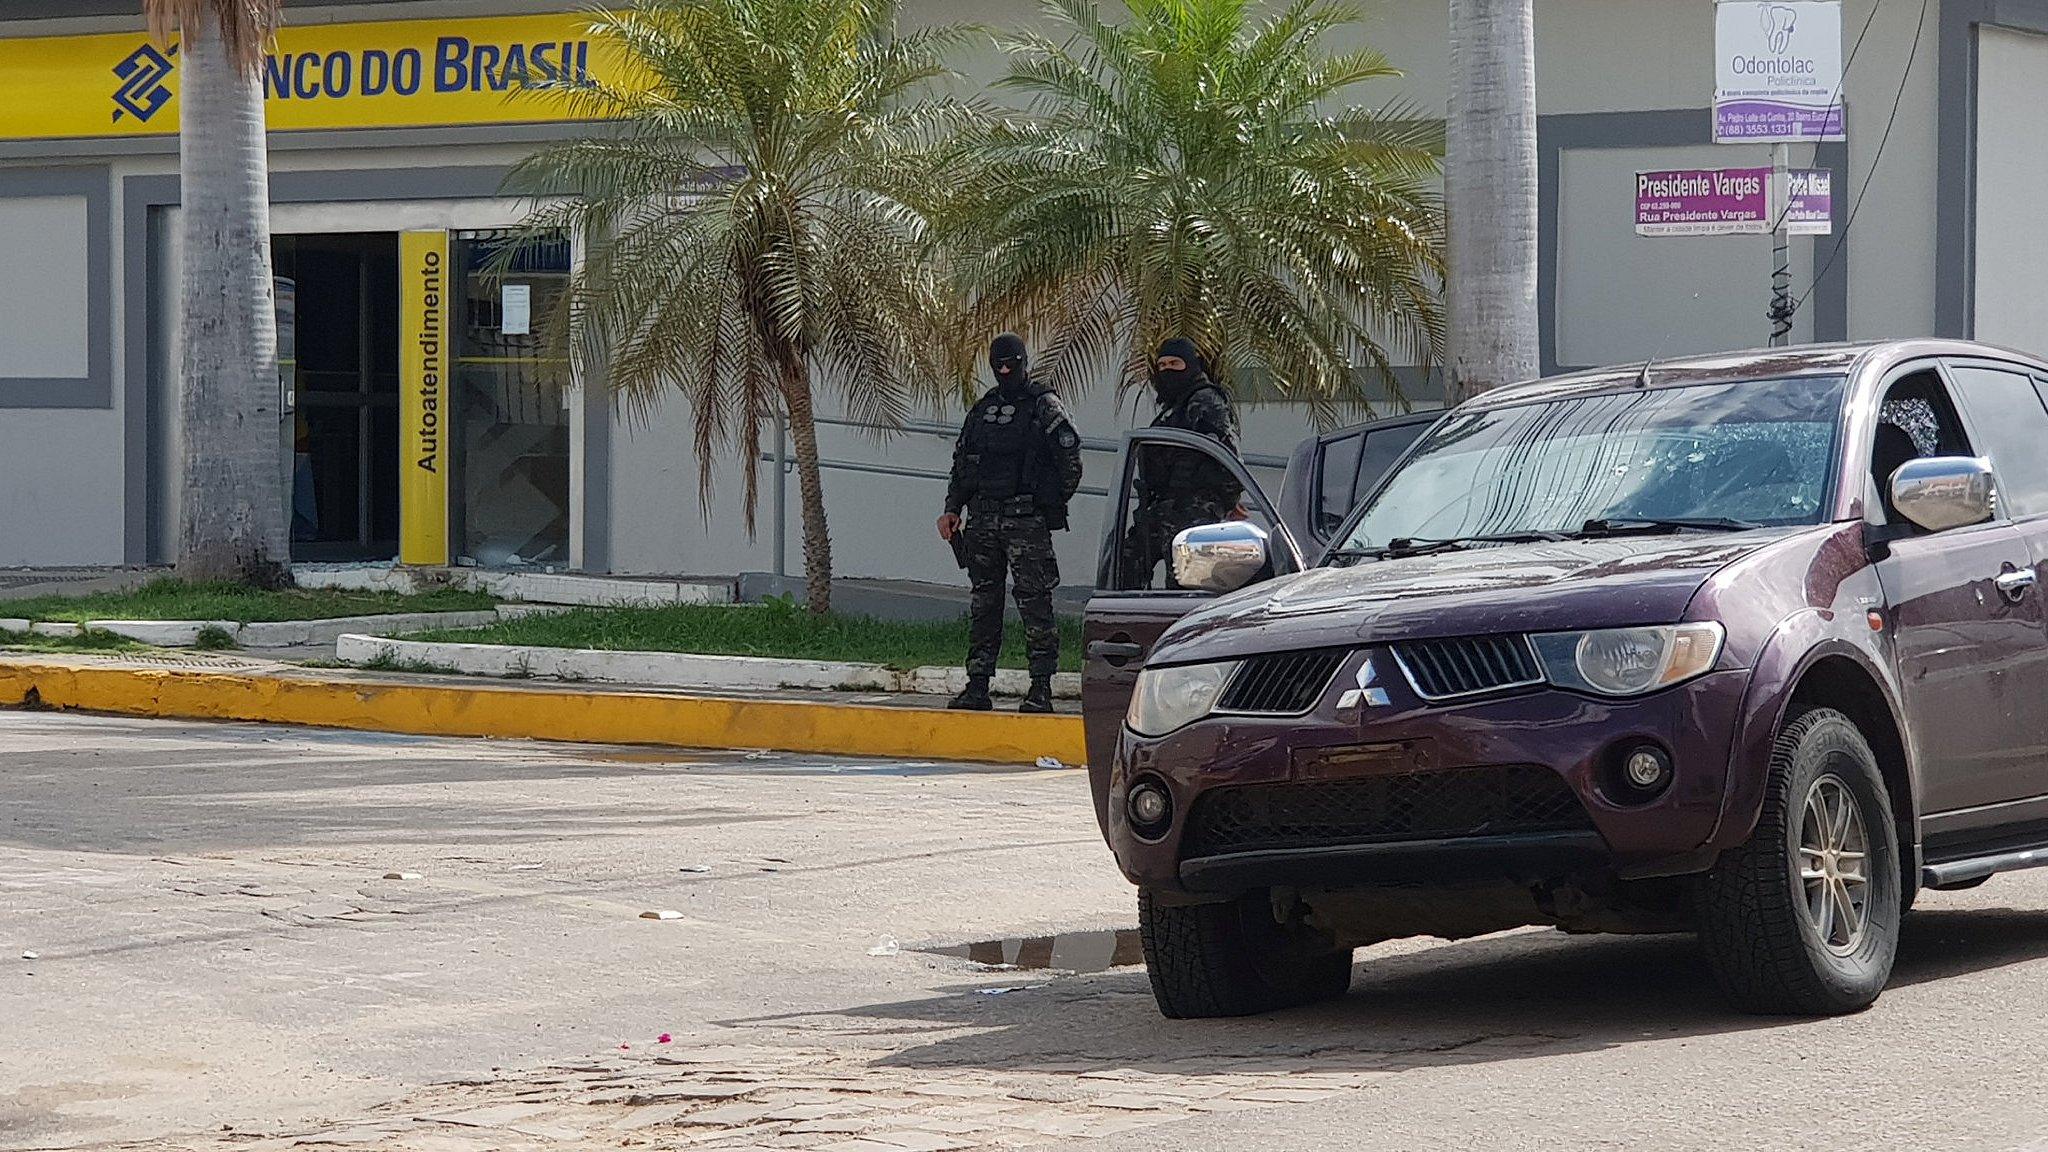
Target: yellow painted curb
(519, 712)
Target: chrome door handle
(2013, 585)
(1114, 652)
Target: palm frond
(1199, 169)
(752, 210)
(245, 27)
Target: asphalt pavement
(227, 936)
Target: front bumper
(1531, 732)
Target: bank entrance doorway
(495, 438)
(338, 333)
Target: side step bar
(1977, 867)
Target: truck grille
(1487, 801)
(1283, 683)
(1441, 669)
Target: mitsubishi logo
(1368, 692)
(144, 89)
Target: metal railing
(780, 458)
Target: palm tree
(1185, 171)
(233, 520)
(1490, 175)
(746, 230)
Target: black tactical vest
(1000, 439)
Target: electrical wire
(1783, 308)
(1912, 56)
(1835, 102)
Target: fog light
(1150, 807)
(1646, 769)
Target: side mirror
(1220, 557)
(1942, 492)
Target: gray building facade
(1945, 152)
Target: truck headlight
(1630, 661)
(1168, 699)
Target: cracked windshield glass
(1754, 452)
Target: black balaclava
(1172, 386)
(1011, 362)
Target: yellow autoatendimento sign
(424, 359)
(380, 74)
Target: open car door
(1131, 607)
(1327, 476)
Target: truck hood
(1516, 588)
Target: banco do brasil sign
(384, 74)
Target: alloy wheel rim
(1834, 850)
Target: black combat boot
(1039, 699)
(974, 697)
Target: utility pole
(1780, 207)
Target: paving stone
(690, 1092)
(1050, 1094)
(839, 1126)
(1100, 1124)
(493, 1116)
(972, 1109)
(1225, 1104)
(1132, 1102)
(752, 1133)
(917, 1140)
(958, 1089)
(858, 1146)
(949, 1127)
(1335, 1079)
(647, 1116)
(731, 1115)
(1179, 1092)
(1286, 1095)
(811, 1111)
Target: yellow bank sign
(384, 74)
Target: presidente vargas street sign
(378, 74)
(1730, 202)
(1777, 71)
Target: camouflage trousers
(1149, 540)
(1019, 547)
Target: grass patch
(170, 599)
(91, 640)
(768, 630)
(389, 662)
(213, 638)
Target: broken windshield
(1750, 453)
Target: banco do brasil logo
(143, 91)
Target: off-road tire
(1764, 947)
(1233, 959)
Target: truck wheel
(1234, 959)
(1803, 919)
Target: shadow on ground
(1474, 1002)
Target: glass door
(510, 502)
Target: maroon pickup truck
(1746, 645)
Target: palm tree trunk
(233, 523)
(803, 435)
(1490, 193)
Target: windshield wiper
(1654, 525)
(1406, 546)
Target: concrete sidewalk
(232, 687)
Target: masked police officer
(1015, 466)
(1178, 488)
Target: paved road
(221, 964)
